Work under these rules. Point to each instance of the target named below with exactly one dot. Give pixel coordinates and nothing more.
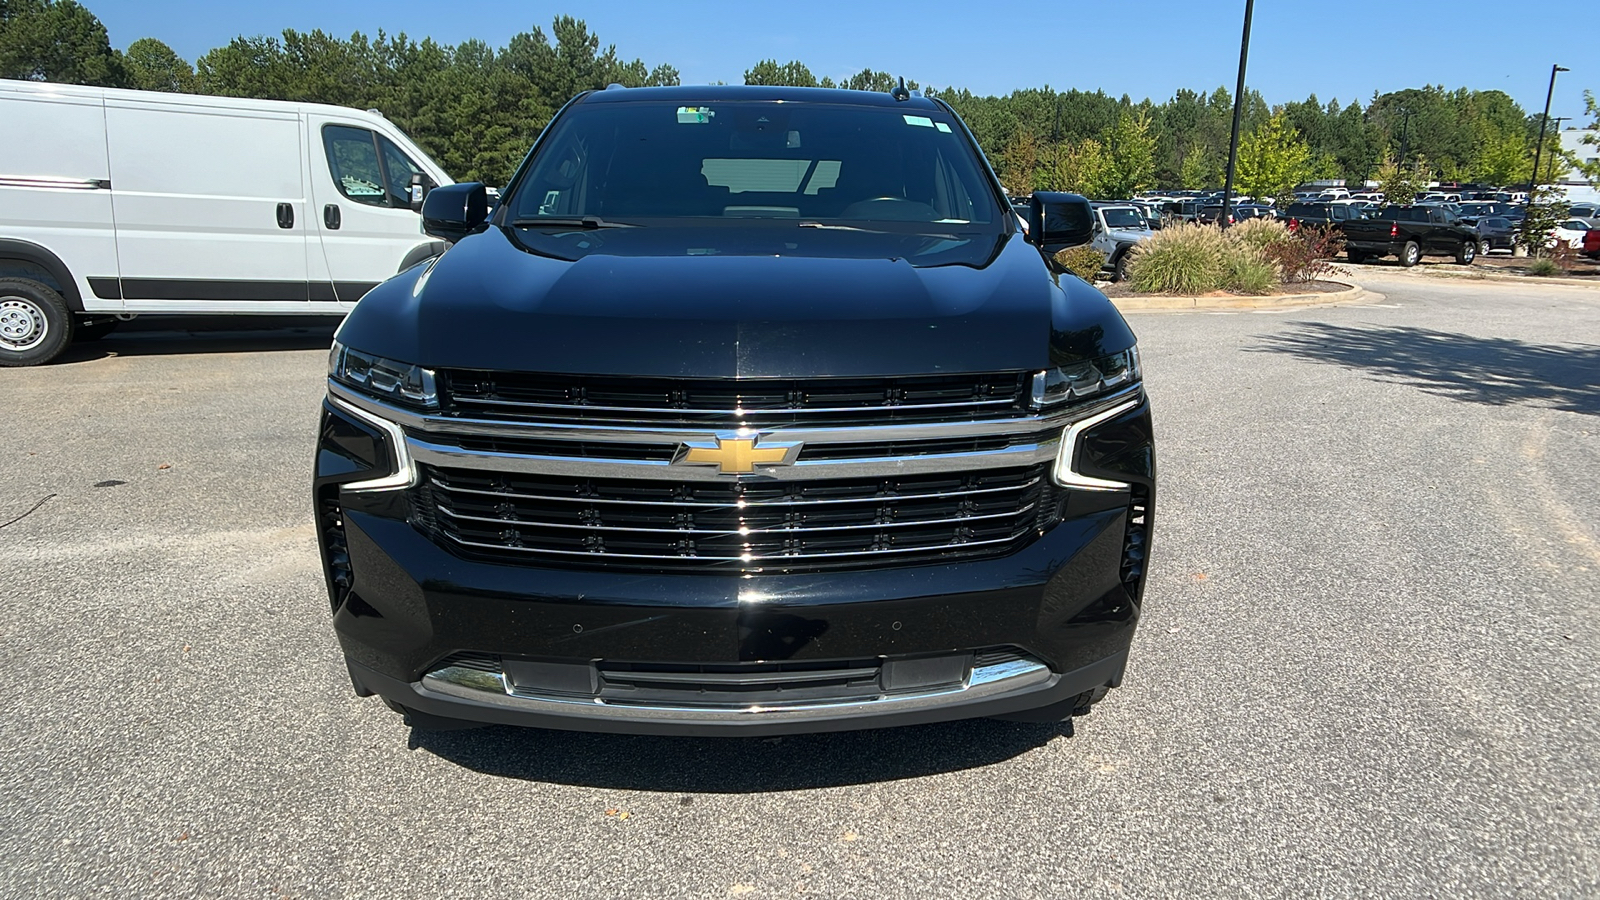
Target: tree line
(476, 108)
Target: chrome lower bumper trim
(985, 683)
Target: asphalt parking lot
(1369, 665)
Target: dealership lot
(1368, 664)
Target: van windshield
(652, 161)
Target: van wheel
(94, 329)
(1410, 254)
(35, 325)
(1467, 253)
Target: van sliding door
(210, 206)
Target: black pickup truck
(1410, 233)
(748, 410)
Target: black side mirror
(1057, 220)
(454, 211)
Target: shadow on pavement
(173, 335)
(736, 765)
(1493, 371)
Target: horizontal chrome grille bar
(661, 470)
(797, 530)
(512, 495)
(774, 559)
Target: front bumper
(404, 607)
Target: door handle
(285, 215)
(330, 216)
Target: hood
(666, 308)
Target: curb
(1470, 274)
(1160, 302)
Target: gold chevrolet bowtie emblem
(736, 455)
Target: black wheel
(1484, 248)
(1410, 254)
(1119, 271)
(35, 324)
(94, 329)
(1467, 252)
(1356, 257)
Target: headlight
(382, 378)
(1085, 380)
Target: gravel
(1368, 665)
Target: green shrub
(1545, 267)
(1260, 233)
(1083, 261)
(1183, 258)
(1247, 271)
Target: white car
(115, 203)
(1570, 232)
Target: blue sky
(1138, 47)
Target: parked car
(1118, 228)
(1410, 233)
(609, 464)
(1471, 210)
(1584, 211)
(1321, 215)
(1570, 232)
(1591, 243)
(1495, 233)
(116, 203)
(1182, 210)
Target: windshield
(645, 162)
(1124, 217)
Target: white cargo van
(116, 203)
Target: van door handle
(285, 215)
(330, 216)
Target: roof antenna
(900, 92)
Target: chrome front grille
(759, 403)
(736, 525)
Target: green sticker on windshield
(694, 115)
(942, 127)
(923, 121)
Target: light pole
(1238, 108)
(1559, 120)
(1543, 120)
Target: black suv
(748, 410)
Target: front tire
(1119, 271)
(35, 324)
(1467, 253)
(1410, 254)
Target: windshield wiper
(568, 222)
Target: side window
(399, 168)
(353, 162)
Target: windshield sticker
(942, 127)
(694, 115)
(923, 121)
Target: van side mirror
(420, 186)
(1059, 220)
(454, 211)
